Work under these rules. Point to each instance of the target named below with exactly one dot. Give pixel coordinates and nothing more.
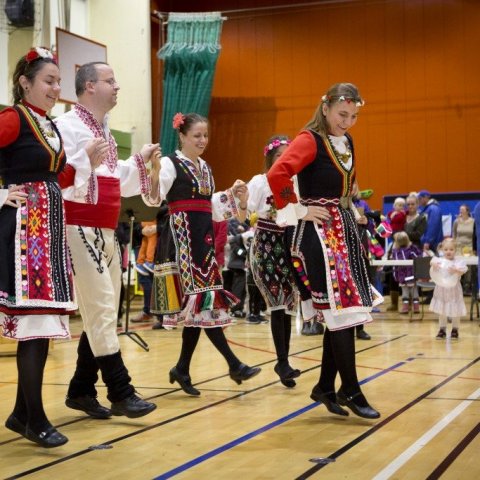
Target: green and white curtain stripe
(190, 55)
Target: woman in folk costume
(187, 281)
(36, 290)
(325, 243)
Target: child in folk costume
(447, 298)
(404, 249)
(270, 264)
(187, 281)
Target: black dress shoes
(49, 438)
(15, 425)
(286, 374)
(184, 381)
(329, 400)
(89, 405)
(317, 328)
(244, 372)
(363, 335)
(132, 407)
(360, 408)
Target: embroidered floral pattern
(98, 132)
(145, 181)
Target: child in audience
(447, 298)
(397, 217)
(404, 249)
(146, 254)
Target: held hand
(148, 150)
(316, 214)
(240, 190)
(155, 159)
(355, 189)
(16, 196)
(149, 230)
(97, 150)
(363, 220)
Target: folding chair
(421, 274)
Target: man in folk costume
(91, 223)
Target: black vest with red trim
(325, 177)
(30, 158)
(186, 186)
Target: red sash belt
(102, 215)
(190, 205)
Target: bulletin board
(73, 51)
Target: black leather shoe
(254, 319)
(244, 372)
(132, 407)
(287, 374)
(363, 335)
(184, 381)
(362, 411)
(15, 425)
(317, 328)
(89, 405)
(49, 438)
(306, 328)
(329, 400)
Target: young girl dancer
(187, 281)
(269, 263)
(447, 298)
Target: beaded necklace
(46, 128)
(344, 157)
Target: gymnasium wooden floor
(427, 391)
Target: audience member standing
(416, 223)
(404, 249)
(463, 230)
(432, 211)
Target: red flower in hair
(31, 55)
(178, 119)
(39, 52)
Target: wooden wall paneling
(413, 60)
(436, 112)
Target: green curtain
(190, 55)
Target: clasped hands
(240, 191)
(97, 151)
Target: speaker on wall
(20, 13)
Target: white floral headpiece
(342, 98)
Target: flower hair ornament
(327, 99)
(39, 52)
(178, 120)
(275, 144)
